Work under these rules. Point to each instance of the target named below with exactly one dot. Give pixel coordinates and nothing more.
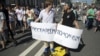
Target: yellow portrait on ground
(59, 51)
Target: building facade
(97, 3)
(29, 2)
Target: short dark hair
(70, 5)
(48, 2)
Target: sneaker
(46, 54)
(15, 43)
(2, 49)
(46, 49)
(52, 50)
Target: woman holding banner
(47, 16)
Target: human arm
(61, 21)
(76, 24)
(40, 17)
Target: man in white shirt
(19, 13)
(47, 16)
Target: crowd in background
(15, 18)
(90, 16)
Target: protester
(97, 20)
(68, 18)
(16, 23)
(90, 17)
(12, 19)
(84, 17)
(47, 16)
(24, 19)
(8, 30)
(2, 23)
(30, 15)
(19, 13)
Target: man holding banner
(47, 16)
(69, 17)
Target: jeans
(89, 23)
(21, 23)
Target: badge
(68, 16)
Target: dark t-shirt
(68, 18)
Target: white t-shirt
(19, 14)
(30, 14)
(11, 16)
(47, 17)
(2, 17)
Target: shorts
(29, 21)
(20, 23)
(4, 35)
(10, 22)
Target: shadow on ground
(81, 46)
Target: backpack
(76, 14)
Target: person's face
(93, 6)
(50, 6)
(66, 7)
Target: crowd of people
(90, 16)
(12, 18)
(15, 18)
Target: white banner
(64, 35)
(43, 31)
(67, 36)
